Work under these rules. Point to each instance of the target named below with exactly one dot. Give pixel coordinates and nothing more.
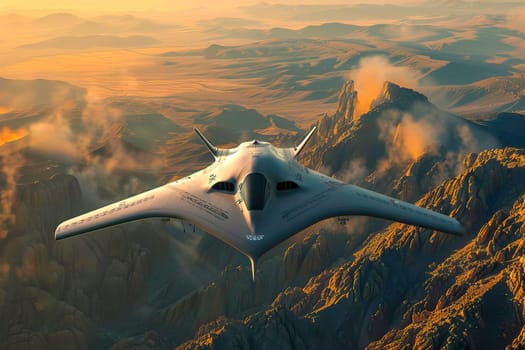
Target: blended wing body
(185, 199)
(255, 196)
(355, 200)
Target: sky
(169, 5)
(138, 5)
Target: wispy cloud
(369, 78)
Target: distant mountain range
(242, 119)
(376, 11)
(92, 41)
(58, 19)
(107, 24)
(32, 94)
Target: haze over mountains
(421, 101)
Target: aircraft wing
(185, 201)
(353, 200)
(148, 204)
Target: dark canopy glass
(254, 191)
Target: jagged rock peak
(510, 157)
(400, 96)
(345, 102)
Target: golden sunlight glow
(153, 5)
(120, 5)
(5, 109)
(91, 5)
(7, 135)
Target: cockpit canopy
(254, 191)
(225, 186)
(286, 186)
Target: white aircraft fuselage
(253, 197)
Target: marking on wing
(113, 209)
(311, 202)
(404, 207)
(255, 237)
(203, 205)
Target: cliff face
(334, 128)
(53, 199)
(234, 293)
(400, 127)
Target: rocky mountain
(227, 126)
(364, 284)
(138, 133)
(83, 42)
(245, 120)
(399, 119)
(27, 95)
(502, 94)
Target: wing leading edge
(153, 203)
(353, 200)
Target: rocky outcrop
(401, 126)
(474, 297)
(40, 321)
(276, 324)
(393, 95)
(238, 293)
(346, 102)
(372, 138)
(41, 205)
(421, 176)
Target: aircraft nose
(254, 191)
(254, 221)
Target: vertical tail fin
(208, 144)
(300, 147)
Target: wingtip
(461, 230)
(62, 231)
(458, 229)
(58, 233)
